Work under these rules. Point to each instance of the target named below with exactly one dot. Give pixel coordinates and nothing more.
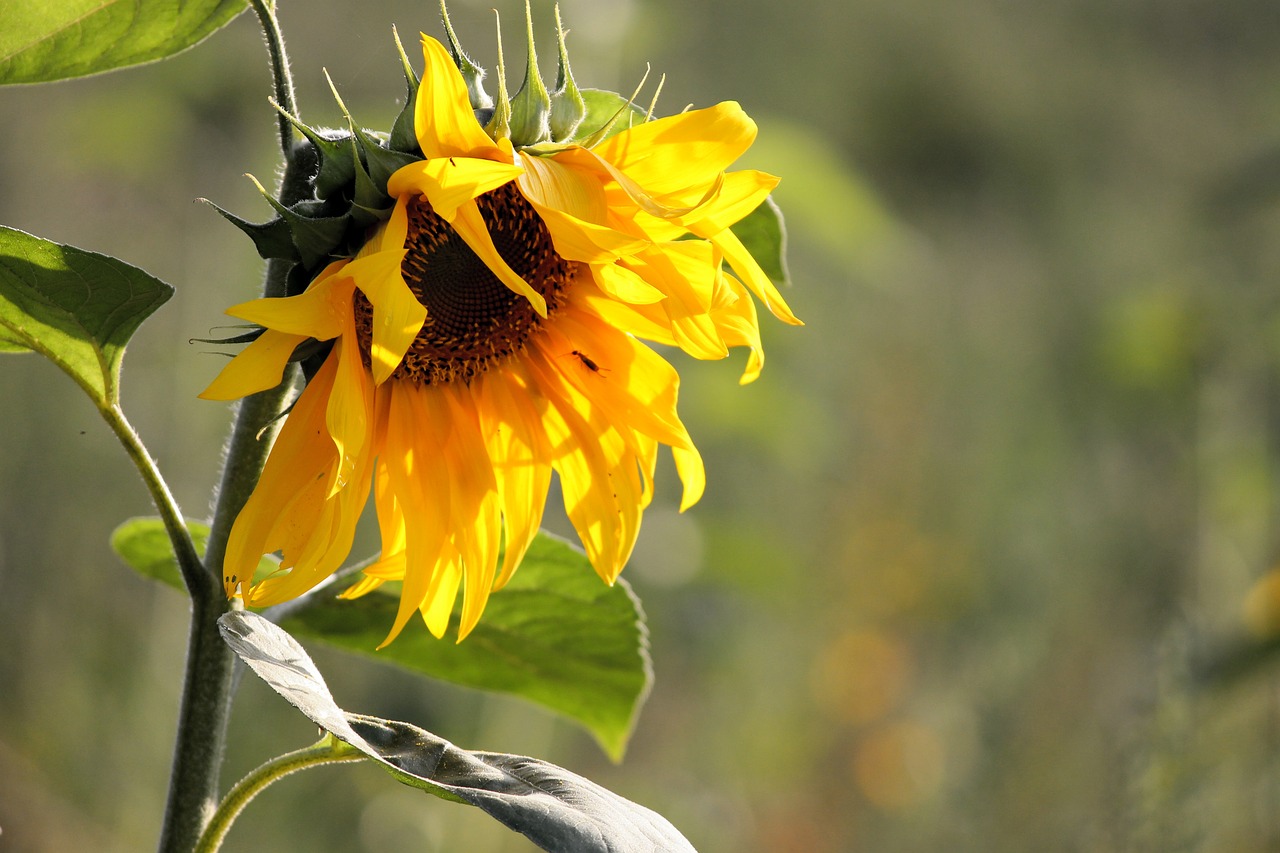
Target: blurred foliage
(973, 545)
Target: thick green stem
(206, 698)
(327, 751)
(208, 683)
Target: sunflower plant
(455, 309)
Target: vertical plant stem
(207, 686)
(280, 73)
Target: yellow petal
(397, 314)
(442, 118)
(316, 313)
(521, 465)
(280, 508)
(676, 153)
(255, 368)
(350, 408)
(754, 277)
(741, 193)
(471, 227)
(600, 469)
(418, 477)
(625, 284)
(562, 186)
(576, 240)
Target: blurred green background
(972, 568)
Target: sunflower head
(471, 293)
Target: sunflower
(488, 333)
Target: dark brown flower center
(473, 319)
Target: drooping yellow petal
(521, 460)
(397, 314)
(471, 227)
(741, 193)
(754, 277)
(442, 118)
(418, 478)
(282, 509)
(600, 469)
(576, 240)
(255, 368)
(349, 414)
(475, 522)
(736, 319)
(632, 386)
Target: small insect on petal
(586, 360)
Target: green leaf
(42, 40)
(144, 545)
(764, 234)
(76, 308)
(11, 343)
(555, 809)
(555, 635)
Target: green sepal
(368, 201)
(78, 309)
(499, 124)
(316, 237)
(472, 74)
(298, 279)
(567, 106)
(272, 239)
(531, 105)
(335, 152)
(382, 161)
(404, 137)
(606, 113)
(764, 233)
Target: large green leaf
(555, 809)
(555, 635)
(42, 40)
(76, 308)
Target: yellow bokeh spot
(899, 765)
(1262, 606)
(861, 676)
